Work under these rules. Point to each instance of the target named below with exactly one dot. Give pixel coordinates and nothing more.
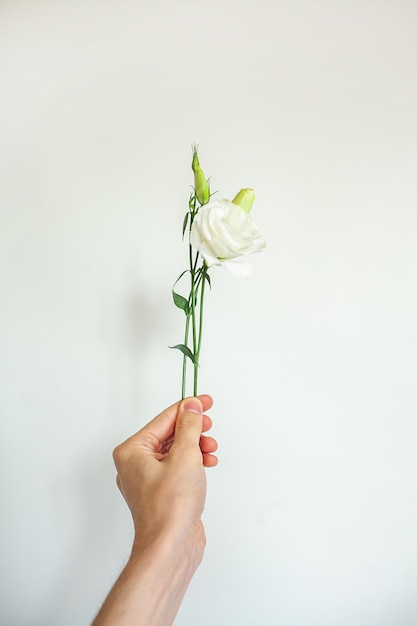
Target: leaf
(185, 350)
(207, 276)
(180, 276)
(185, 222)
(180, 302)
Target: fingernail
(193, 404)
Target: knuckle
(121, 454)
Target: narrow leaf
(207, 277)
(180, 276)
(185, 222)
(186, 351)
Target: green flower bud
(201, 186)
(196, 162)
(244, 199)
(202, 189)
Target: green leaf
(185, 350)
(180, 302)
(180, 276)
(185, 222)
(207, 276)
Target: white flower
(224, 234)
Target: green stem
(184, 360)
(200, 329)
(191, 303)
(193, 295)
(193, 313)
(200, 333)
(198, 279)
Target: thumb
(189, 424)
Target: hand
(161, 472)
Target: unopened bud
(195, 163)
(201, 186)
(244, 199)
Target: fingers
(162, 426)
(189, 424)
(208, 444)
(207, 423)
(183, 421)
(206, 401)
(210, 460)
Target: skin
(161, 474)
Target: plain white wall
(311, 514)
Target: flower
(201, 186)
(224, 234)
(244, 199)
(219, 233)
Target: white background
(311, 513)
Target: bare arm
(162, 478)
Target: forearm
(151, 587)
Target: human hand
(160, 472)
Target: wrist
(151, 587)
(175, 545)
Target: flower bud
(195, 163)
(201, 186)
(244, 199)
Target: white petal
(238, 268)
(222, 232)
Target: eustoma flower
(201, 186)
(224, 234)
(221, 232)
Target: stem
(193, 299)
(198, 279)
(187, 322)
(200, 333)
(200, 328)
(184, 360)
